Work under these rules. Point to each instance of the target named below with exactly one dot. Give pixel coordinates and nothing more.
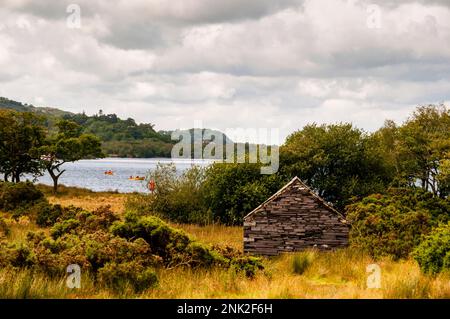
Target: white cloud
(259, 63)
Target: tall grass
(301, 261)
(309, 274)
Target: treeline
(393, 184)
(124, 138)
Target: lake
(90, 174)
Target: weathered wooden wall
(293, 221)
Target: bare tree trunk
(55, 178)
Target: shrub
(119, 276)
(75, 219)
(391, 224)
(64, 227)
(15, 255)
(18, 195)
(177, 249)
(47, 214)
(177, 197)
(233, 190)
(433, 254)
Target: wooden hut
(293, 219)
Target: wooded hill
(121, 138)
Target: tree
(338, 161)
(68, 145)
(21, 135)
(424, 145)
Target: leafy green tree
(423, 146)
(233, 190)
(338, 161)
(21, 135)
(68, 145)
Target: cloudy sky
(228, 63)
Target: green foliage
(221, 193)
(393, 224)
(47, 214)
(418, 150)
(172, 245)
(233, 190)
(176, 248)
(124, 138)
(68, 145)
(120, 276)
(64, 227)
(18, 195)
(338, 161)
(433, 254)
(177, 197)
(21, 135)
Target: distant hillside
(121, 138)
(23, 107)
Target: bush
(391, 224)
(233, 190)
(433, 254)
(64, 227)
(119, 276)
(47, 214)
(222, 193)
(177, 249)
(177, 197)
(18, 195)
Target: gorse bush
(393, 224)
(134, 274)
(117, 254)
(433, 254)
(176, 248)
(15, 196)
(24, 199)
(172, 245)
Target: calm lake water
(91, 173)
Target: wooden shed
(293, 219)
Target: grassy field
(338, 274)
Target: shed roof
(294, 181)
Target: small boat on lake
(109, 172)
(136, 178)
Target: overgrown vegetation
(433, 254)
(393, 224)
(116, 253)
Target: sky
(253, 64)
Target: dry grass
(215, 234)
(84, 198)
(338, 274)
